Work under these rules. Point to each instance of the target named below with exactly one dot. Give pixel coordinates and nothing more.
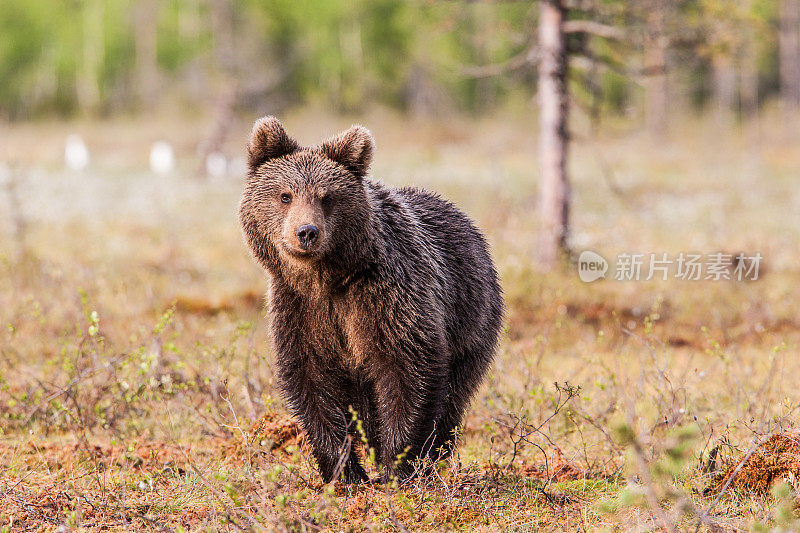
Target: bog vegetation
(136, 382)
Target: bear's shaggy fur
(392, 310)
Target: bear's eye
(286, 198)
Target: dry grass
(757, 470)
(136, 389)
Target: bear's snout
(307, 234)
(304, 228)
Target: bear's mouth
(299, 253)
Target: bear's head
(304, 205)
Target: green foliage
(23, 32)
(346, 53)
(81, 55)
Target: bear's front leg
(411, 404)
(316, 395)
(410, 384)
(399, 338)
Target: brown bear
(383, 301)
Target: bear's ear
(268, 140)
(352, 149)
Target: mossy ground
(135, 365)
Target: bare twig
(594, 28)
(649, 490)
(529, 56)
(704, 515)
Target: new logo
(591, 266)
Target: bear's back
(471, 290)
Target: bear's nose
(307, 234)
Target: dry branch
(593, 28)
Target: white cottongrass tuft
(76, 154)
(162, 158)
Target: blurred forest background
(640, 59)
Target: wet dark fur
(395, 313)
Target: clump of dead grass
(756, 472)
(274, 431)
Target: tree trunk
(93, 48)
(222, 32)
(146, 42)
(748, 84)
(553, 140)
(352, 76)
(724, 85)
(481, 23)
(225, 68)
(421, 94)
(789, 59)
(748, 74)
(655, 57)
